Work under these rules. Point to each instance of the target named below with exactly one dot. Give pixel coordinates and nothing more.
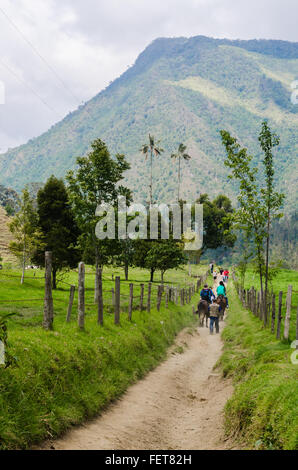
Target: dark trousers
(214, 320)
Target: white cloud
(90, 42)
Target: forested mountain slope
(180, 90)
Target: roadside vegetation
(263, 411)
(65, 376)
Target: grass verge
(66, 376)
(263, 411)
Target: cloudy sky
(56, 54)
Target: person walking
(214, 316)
(211, 265)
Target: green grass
(66, 376)
(263, 411)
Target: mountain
(180, 90)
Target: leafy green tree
(58, 227)
(272, 199)
(217, 228)
(250, 216)
(124, 255)
(180, 155)
(257, 206)
(165, 255)
(141, 250)
(24, 227)
(151, 149)
(96, 181)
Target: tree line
(62, 219)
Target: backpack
(205, 294)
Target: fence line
(146, 295)
(252, 300)
(166, 292)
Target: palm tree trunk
(151, 178)
(179, 177)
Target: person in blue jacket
(206, 294)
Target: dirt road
(177, 406)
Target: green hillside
(180, 90)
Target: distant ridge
(181, 90)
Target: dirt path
(177, 406)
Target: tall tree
(257, 206)
(151, 149)
(96, 181)
(250, 216)
(272, 199)
(180, 155)
(58, 226)
(24, 229)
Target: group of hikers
(223, 272)
(217, 303)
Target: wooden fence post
(81, 296)
(48, 311)
(130, 302)
(96, 286)
(70, 303)
(142, 297)
(273, 314)
(288, 313)
(117, 301)
(279, 316)
(167, 297)
(159, 295)
(100, 299)
(149, 298)
(255, 303)
(113, 297)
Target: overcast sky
(56, 54)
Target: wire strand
(50, 67)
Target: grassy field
(65, 376)
(283, 279)
(263, 411)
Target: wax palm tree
(180, 155)
(152, 149)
